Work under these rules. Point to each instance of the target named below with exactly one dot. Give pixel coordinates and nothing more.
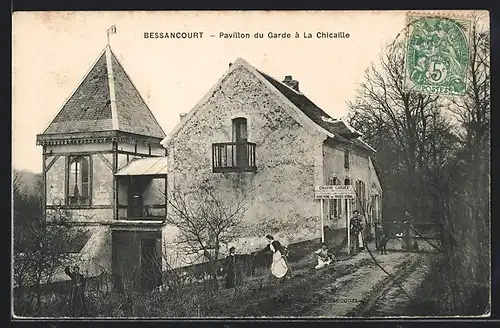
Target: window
(347, 182)
(360, 195)
(79, 180)
(346, 158)
(335, 204)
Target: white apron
(278, 267)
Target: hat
(232, 249)
(269, 237)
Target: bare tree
(443, 158)
(43, 255)
(409, 130)
(469, 212)
(206, 220)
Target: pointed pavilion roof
(106, 100)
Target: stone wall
(102, 180)
(288, 158)
(55, 179)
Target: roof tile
(134, 115)
(89, 107)
(316, 114)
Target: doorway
(240, 138)
(137, 185)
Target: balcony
(233, 157)
(142, 190)
(143, 213)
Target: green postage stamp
(437, 55)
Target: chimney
(294, 84)
(182, 116)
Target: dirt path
(392, 302)
(352, 287)
(356, 289)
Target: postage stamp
(226, 164)
(437, 55)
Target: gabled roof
(301, 107)
(106, 100)
(316, 114)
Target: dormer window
(79, 180)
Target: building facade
(254, 134)
(108, 164)
(92, 149)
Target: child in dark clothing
(383, 243)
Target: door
(135, 198)
(240, 138)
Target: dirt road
(355, 287)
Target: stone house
(103, 165)
(252, 132)
(110, 166)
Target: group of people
(357, 242)
(279, 266)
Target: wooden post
(348, 218)
(115, 181)
(44, 191)
(322, 223)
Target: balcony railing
(145, 213)
(80, 200)
(233, 157)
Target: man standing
(356, 228)
(77, 296)
(230, 268)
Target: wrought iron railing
(233, 157)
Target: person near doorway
(356, 229)
(279, 266)
(325, 257)
(230, 268)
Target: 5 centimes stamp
(437, 55)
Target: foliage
(44, 255)
(434, 153)
(27, 203)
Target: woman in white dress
(279, 267)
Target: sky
(52, 52)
